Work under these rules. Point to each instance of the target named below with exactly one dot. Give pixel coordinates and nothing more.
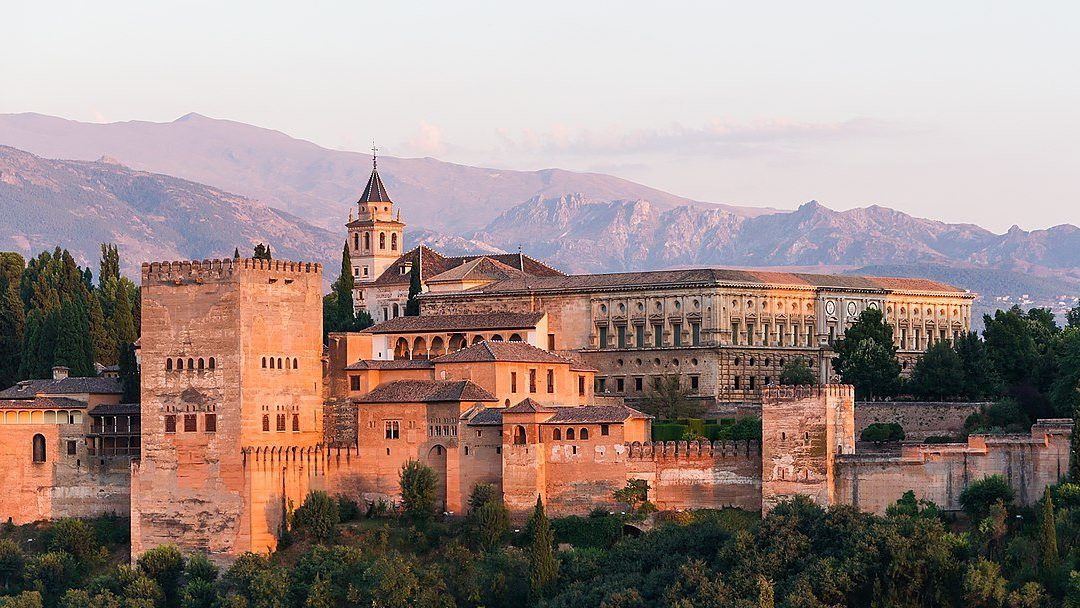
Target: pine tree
(412, 305)
(262, 252)
(1048, 546)
(129, 373)
(543, 565)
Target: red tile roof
(528, 406)
(42, 403)
(595, 414)
(426, 391)
(434, 263)
(519, 352)
(391, 364)
(451, 323)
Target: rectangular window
(551, 381)
(513, 382)
(918, 339)
(280, 423)
(621, 329)
(695, 334)
(832, 334)
(72, 447)
(751, 339)
(738, 383)
(581, 386)
(365, 271)
(296, 423)
(620, 385)
(356, 272)
(752, 382)
(601, 385)
(765, 334)
(604, 429)
(694, 383)
(170, 423)
(210, 423)
(658, 335)
(638, 384)
(639, 336)
(676, 333)
(809, 334)
(393, 429)
(603, 336)
(532, 380)
(735, 333)
(354, 383)
(190, 423)
(551, 341)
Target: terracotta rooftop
(42, 403)
(712, 276)
(594, 414)
(450, 323)
(528, 406)
(519, 352)
(28, 389)
(482, 268)
(488, 416)
(115, 409)
(426, 391)
(391, 364)
(433, 263)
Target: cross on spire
(374, 155)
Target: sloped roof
(115, 409)
(520, 352)
(594, 414)
(426, 391)
(712, 276)
(451, 323)
(482, 268)
(28, 389)
(434, 263)
(42, 403)
(528, 406)
(488, 416)
(391, 364)
(375, 192)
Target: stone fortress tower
(231, 367)
(375, 236)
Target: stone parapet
(692, 450)
(219, 270)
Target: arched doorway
(401, 349)
(420, 350)
(438, 348)
(457, 342)
(436, 459)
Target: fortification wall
(920, 419)
(65, 485)
(688, 475)
(940, 472)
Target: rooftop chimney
(60, 372)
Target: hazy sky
(962, 111)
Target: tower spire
(374, 155)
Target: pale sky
(960, 111)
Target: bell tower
(375, 236)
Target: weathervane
(374, 155)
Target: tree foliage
(318, 517)
(866, 357)
(543, 565)
(939, 374)
(668, 398)
(418, 485)
(797, 372)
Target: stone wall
(940, 472)
(919, 419)
(65, 485)
(693, 475)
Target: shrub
(978, 497)
(74, 537)
(200, 568)
(164, 565)
(318, 517)
(635, 494)
(882, 431)
(417, 490)
(668, 432)
(598, 532)
(379, 508)
(482, 494)
(12, 561)
(490, 522)
(1004, 416)
(348, 509)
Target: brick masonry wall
(919, 419)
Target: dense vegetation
(799, 555)
(52, 313)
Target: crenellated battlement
(692, 450)
(778, 394)
(293, 453)
(218, 270)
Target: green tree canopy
(418, 484)
(866, 356)
(668, 398)
(939, 374)
(796, 371)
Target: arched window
(395, 310)
(356, 241)
(279, 363)
(266, 423)
(271, 363)
(168, 364)
(264, 362)
(295, 363)
(519, 435)
(367, 241)
(393, 242)
(382, 240)
(569, 434)
(39, 448)
(202, 363)
(496, 338)
(288, 363)
(213, 364)
(515, 337)
(180, 364)
(296, 423)
(556, 434)
(584, 435)
(190, 363)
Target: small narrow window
(569, 434)
(519, 435)
(354, 383)
(264, 362)
(584, 435)
(170, 423)
(202, 363)
(168, 364)
(279, 363)
(551, 381)
(190, 364)
(532, 380)
(213, 364)
(556, 434)
(281, 423)
(581, 386)
(72, 447)
(605, 429)
(180, 364)
(39, 448)
(271, 363)
(266, 423)
(296, 423)
(295, 363)
(210, 424)
(513, 382)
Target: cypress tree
(72, 346)
(412, 305)
(102, 341)
(124, 328)
(109, 266)
(1048, 547)
(129, 373)
(262, 252)
(236, 253)
(12, 326)
(344, 316)
(543, 566)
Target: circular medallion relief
(830, 307)
(872, 306)
(852, 309)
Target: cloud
(715, 137)
(426, 141)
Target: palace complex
(514, 374)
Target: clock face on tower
(852, 309)
(830, 308)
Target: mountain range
(141, 184)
